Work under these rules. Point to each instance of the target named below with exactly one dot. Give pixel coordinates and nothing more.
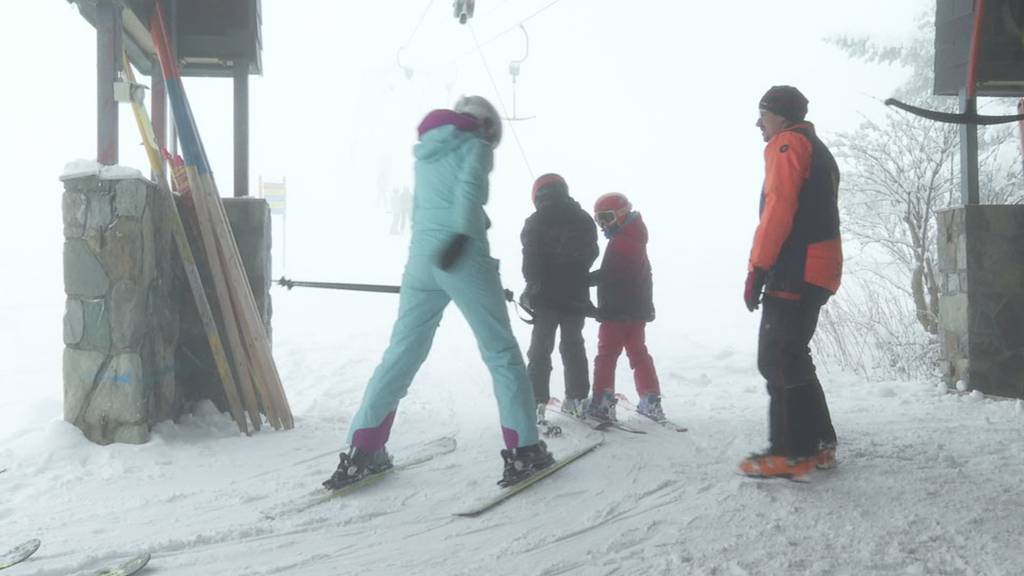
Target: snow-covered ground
(928, 482)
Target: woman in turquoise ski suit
(449, 261)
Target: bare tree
(897, 172)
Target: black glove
(453, 251)
(753, 288)
(594, 277)
(526, 299)
(594, 312)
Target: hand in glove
(453, 251)
(594, 312)
(753, 288)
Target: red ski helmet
(611, 209)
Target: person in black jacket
(559, 247)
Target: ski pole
(384, 288)
(289, 284)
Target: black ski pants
(798, 415)
(546, 322)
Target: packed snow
(928, 481)
(80, 168)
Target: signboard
(275, 193)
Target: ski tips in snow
(22, 551)
(128, 567)
(19, 553)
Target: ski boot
(826, 456)
(602, 408)
(356, 465)
(768, 465)
(650, 406)
(575, 407)
(522, 462)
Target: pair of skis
(23, 551)
(426, 453)
(663, 422)
(554, 405)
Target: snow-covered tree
(897, 172)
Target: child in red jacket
(624, 307)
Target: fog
(656, 100)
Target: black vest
(816, 219)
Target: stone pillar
(120, 321)
(981, 308)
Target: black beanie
(786, 101)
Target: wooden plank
(265, 370)
(227, 315)
(211, 215)
(188, 259)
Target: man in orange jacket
(796, 262)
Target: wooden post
(241, 77)
(108, 58)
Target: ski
(528, 481)
(600, 425)
(19, 553)
(624, 427)
(433, 449)
(803, 479)
(128, 567)
(549, 430)
(667, 424)
(663, 422)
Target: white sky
(654, 99)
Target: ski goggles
(606, 218)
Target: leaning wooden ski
(19, 553)
(529, 481)
(188, 261)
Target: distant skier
(401, 204)
(559, 246)
(797, 261)
(625, 304)
(448, 261)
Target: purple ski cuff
(373, 439)
(511, 437)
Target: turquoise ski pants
(475, 287)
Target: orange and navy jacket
(797, 239)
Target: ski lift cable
(423, 17)
(511, 28)
(501, 103)
(398, 54)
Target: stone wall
(121, 320)
(981, 263)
